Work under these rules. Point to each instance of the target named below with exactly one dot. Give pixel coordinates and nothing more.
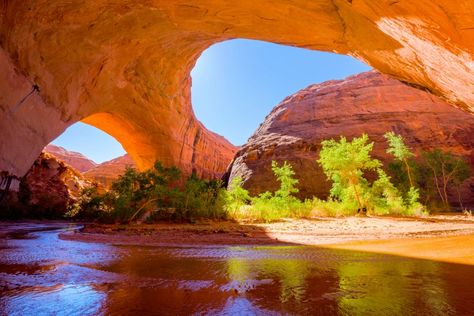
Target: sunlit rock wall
(369, 103)
(124, 67)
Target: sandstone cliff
(74, 159)
(108, 171)
(124, 67)
(369, 103)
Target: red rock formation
(124, 67)
(369, 103)
(74, 159)
(106, 172)
(49, 187)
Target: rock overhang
(125, 68)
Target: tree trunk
(141, 208)
(356, 194)
(437, 186)
(445, 184)
(410, 179)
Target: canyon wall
(108, 171)
(124, 67)
(369, 103)
(74, 159)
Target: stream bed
(41, 274)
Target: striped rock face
(74, 159)
(124, 67)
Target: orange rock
(369, 103)
(74, 159)
(106, 172)
(125, 67)
(49, 187)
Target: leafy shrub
(236, 198)
(268, 206)
(155, 193)
(200, 198)
(331, 207)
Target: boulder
(49, 187)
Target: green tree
(446, 170)
(237, 196)
(344, 163)
(401, 152)
(384, 196)
(281, 203)
(285, 175)
(156, 192)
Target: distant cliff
(72, 158)
(106, 172)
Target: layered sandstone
(369, 103)
(108, 171)
(74, 159)
(124, 67)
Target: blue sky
(235, 85)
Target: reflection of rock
(49, 187)
(366, 103)
(106, 172)
(124, 67)
(72, 158)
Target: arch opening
(93, 143)
(95, 153)
(236, 83)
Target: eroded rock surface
(124, 67)
(74, 159)
(108, 171)
(49, 187)
(369, 103)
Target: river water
(40, 274)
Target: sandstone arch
(132, 61)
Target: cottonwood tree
(285, 175)
(401, 152)
(447, 170)
(344, 162)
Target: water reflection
(42, 274)
(393, 288)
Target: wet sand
(452, 249)
(430, 237)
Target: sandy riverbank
(317, 231)
(443, 238)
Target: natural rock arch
(132, 61)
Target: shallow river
(41, 274)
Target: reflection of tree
(392, 288)
(290, 274)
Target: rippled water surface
(41, 274)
